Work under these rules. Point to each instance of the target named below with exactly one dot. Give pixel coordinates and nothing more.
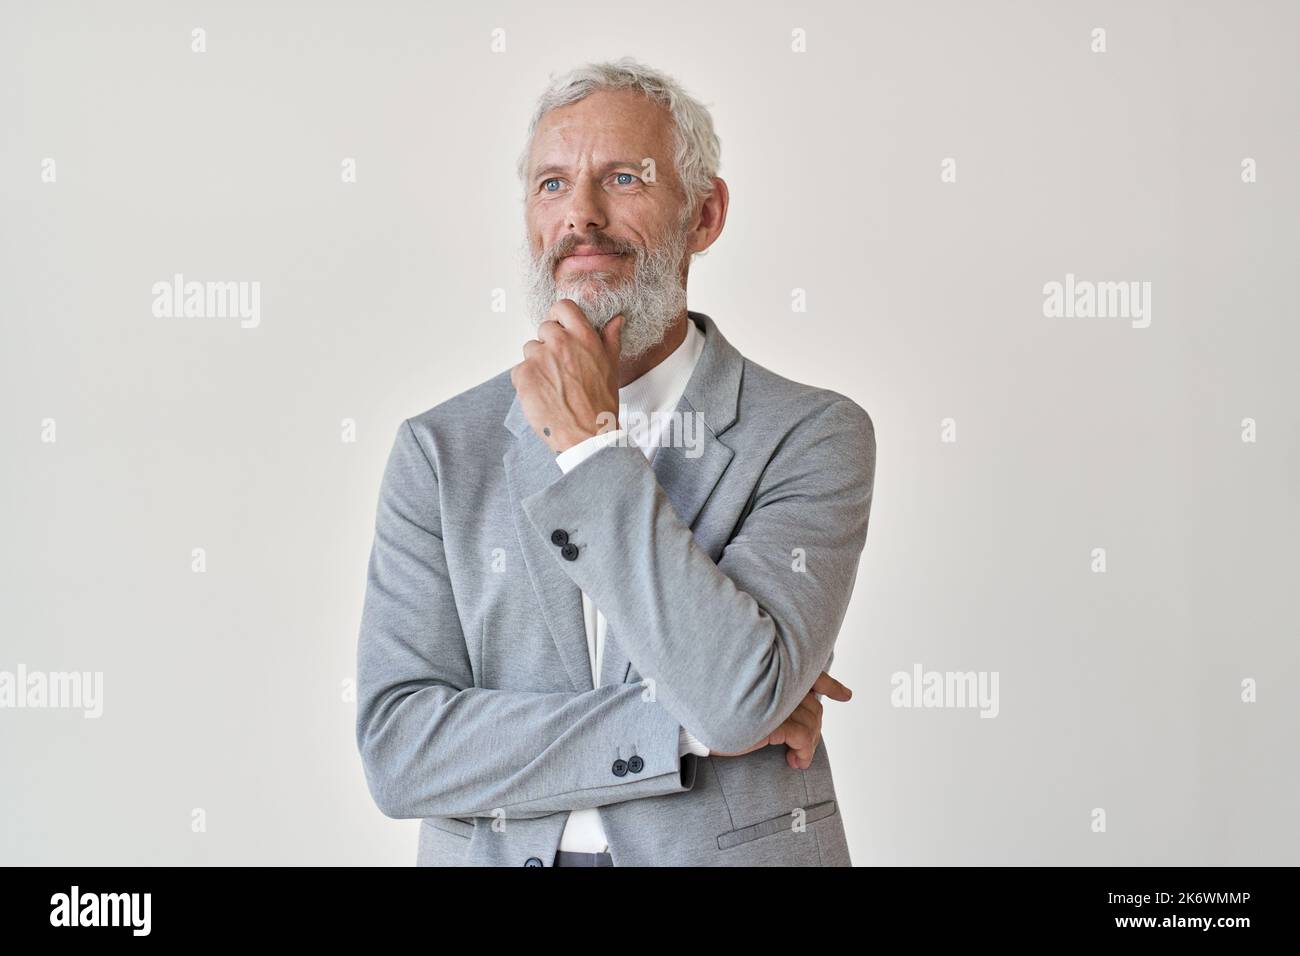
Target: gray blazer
(723, 577)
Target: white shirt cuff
(687, 744)
(570, 458)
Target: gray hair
(697, 148)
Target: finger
(612, 336)
(800, 730)
(569, 315)
(828, 685)
(800, 758)
(812, 703)
(804, 733)
(803, 756)
(531, 348)
(549, 330)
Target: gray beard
(650, 300)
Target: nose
(586, 211)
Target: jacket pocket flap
(775, 825)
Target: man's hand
(568, 381)
(802, 730)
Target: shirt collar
(661, 387)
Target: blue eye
(547, 182)
(630, 178)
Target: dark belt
(572, 858)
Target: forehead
(604, 125)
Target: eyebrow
(553, 168)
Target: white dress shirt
(643, 407)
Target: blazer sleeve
(765, 616)
(432, 744)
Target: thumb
(612, 336)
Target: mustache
(597, 241)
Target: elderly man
(606, 584)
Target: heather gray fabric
(570, 858)
(476, 709)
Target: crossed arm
(433, 744)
